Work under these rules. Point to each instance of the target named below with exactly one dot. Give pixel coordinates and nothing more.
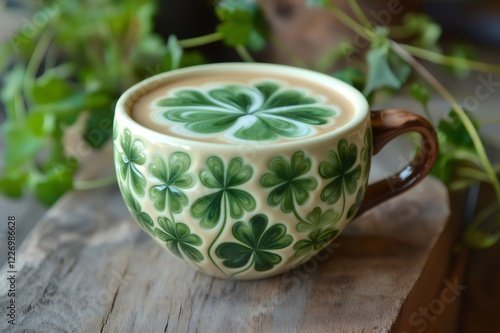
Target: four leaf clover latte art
(264, 111)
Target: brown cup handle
(386, 125)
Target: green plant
(463, 159)
(72, 69)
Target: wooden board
(87, 267)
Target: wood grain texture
(87, 267)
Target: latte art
(262, 111)
(235, 109)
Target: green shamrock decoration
(143, 219)
(209, 208)
(359, 200)
(172, 177)
(340, 167)
(316, 220)
(179, 239)
(132, 155)
(263, 111)
(317, 240)
(255, 244)
(287, 179)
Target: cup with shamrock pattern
(272, 192)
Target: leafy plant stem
(420, 69)
(349, 22)
(450, 61)
(244, 54)
(458, 185)
(359, 14)
(19, 109)
(201, 40)
(34, 65)
(469, 126)
(93, 184)
(472, 173)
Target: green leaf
(239, 201)
(174, 51)
(53, 184)
(242, 23)
(208, 209)
(425, 31)
(462, 54)
(401, 68)
(37, 124)
(50, 88)
(255, 242)
(65, 111)
(316, 240)
(20, 143)
(238, 172)
(420, 93)
(288, 181)
(172, 178)
(480, 239)
(380, 74)
(340, 167)
(317, 219)
(192, 58)
(456, 147)
(99, 127)
(13, 183)
(12, 83)
(352, 76)
(453, 131)
(236, 26)
(179, 239)
(256, 41)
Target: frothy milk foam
(237, 107)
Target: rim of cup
(353, 96)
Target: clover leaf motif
(172, 177)
(143, 219)
(132, 155)
(263, 111)
(317, 219)
(357, 204)
(255, 246)
(209, 208)
(317, 240)
(340, 168)
(179, 239)
(287, 179)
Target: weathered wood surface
(87, 267)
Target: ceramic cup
(269, 201)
